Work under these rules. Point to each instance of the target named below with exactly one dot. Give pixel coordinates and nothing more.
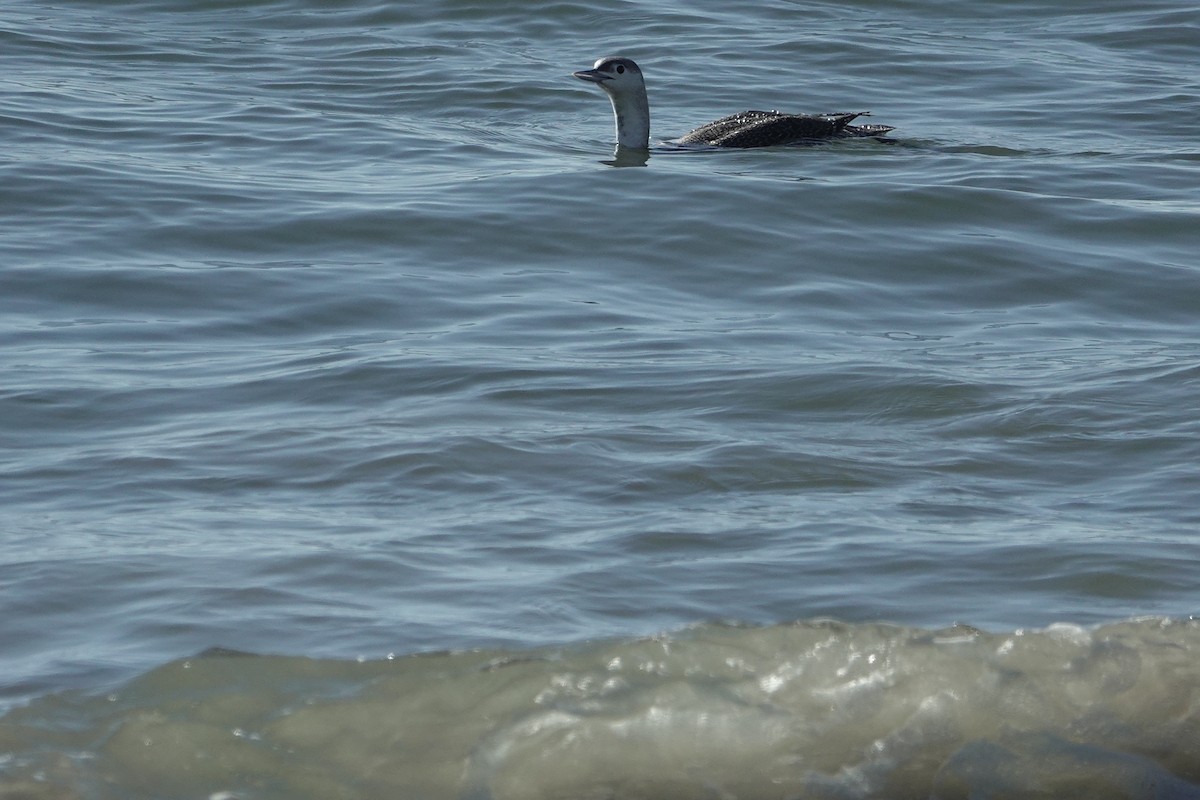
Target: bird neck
(633, 120)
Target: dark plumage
(765, 128)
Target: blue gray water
(332, 333)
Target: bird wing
(718, 128)
(785, 128)
(764, 128)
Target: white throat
(632, 110)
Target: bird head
(615, 75)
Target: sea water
(368, 430)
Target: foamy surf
(807, 710)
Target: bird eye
(620, 69)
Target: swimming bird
(621, 79)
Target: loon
(621, 79)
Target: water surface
(330, 332)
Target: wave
(814, 709)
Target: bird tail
(867, 130)
(843, 120)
